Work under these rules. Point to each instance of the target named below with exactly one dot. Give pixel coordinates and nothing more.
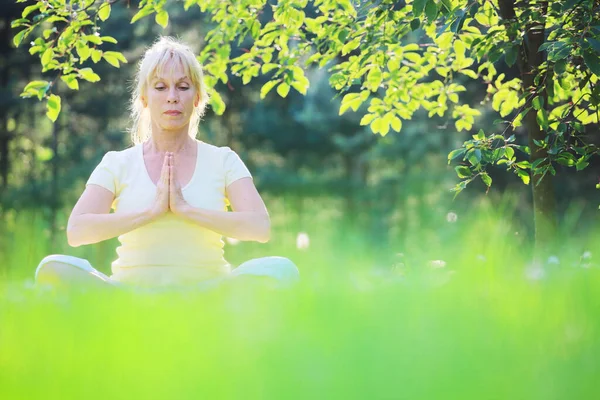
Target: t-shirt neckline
(147, 175)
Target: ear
(144, 102)
(197, 101)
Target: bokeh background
(323, 176)
(406, 292)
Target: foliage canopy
(391, 58)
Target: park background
(320, 173)
(354, 209)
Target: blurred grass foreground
(469, 317)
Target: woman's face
(171, 98)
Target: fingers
(173, 174)
(171, 180)
(164, 173)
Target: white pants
(280, 270)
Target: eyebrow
(158, 78)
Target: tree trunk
(529, 60)
(4, 164)
(55, 195)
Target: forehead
(170, 70)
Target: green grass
(363, 323)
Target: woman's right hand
(161, 202)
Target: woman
(170, 193)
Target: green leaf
(112, 60)
(559, 51)
(268, 67)
(83, 51)
(374, 78)
(144, 12)
(47, 56)
(216, 103)
(581, 164)
(459, 188)
(509, 152)
(394, 64)
(594, 43)
(367, 119)
(53, 107)
(116, 54)
(458, 23)
(569, 4)
(592, 61)
(350, 100)
(283, 89)
(524, 175)
(96, 55)
(474, 157)
(104, 11)
(36, 88)
(431, 10)
(301, 87)
(486, 179)
(470, 73)
(384, 125)
(108, 39)
(455, 154)
(29, 9)
(415, 24)
(35, 85)
(18, 22)
(162, 18)
(47, 32)
(266, 88)
(542, 118)
(20, 36)
(396, 123)
(337, 80)
(71, 81)
(447, 4)
(376, 125)
(343, 35)
(560, 67)
(463, 171)
(93, 39)
(89, 75)
(511, 55)
(418, 7)
(348, 47)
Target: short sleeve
(105, 174)
(234, 167)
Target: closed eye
(180, 87)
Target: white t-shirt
(169, 241)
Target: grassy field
(466, 317)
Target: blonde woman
(170, 193)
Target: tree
(392, 58)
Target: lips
(173, 112)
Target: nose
(172, 97)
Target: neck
(168, 142)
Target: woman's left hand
(177, 203)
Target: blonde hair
(153, 62)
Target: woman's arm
(90, 221)
(248, 221)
